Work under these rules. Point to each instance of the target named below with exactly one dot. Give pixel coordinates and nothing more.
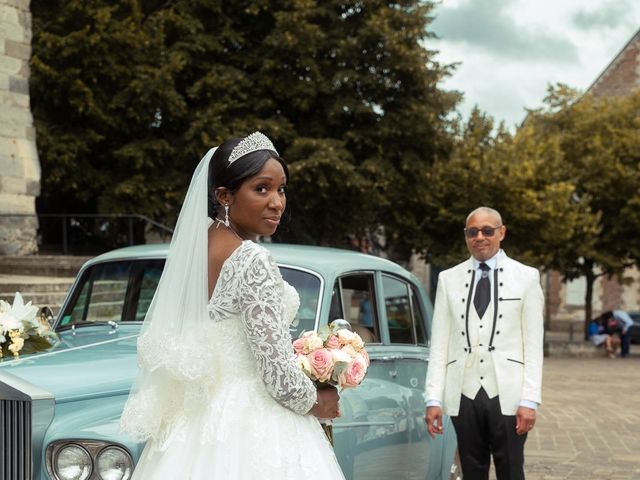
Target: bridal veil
(174, 356)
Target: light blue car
(59, 410)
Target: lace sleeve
(262, 308)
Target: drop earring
(226, 216)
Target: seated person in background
(364, 317)
(600, 334)
(620, 322)
(364, 327)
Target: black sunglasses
(486, 231)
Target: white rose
(340, 356)
(357, 342)
(349, 350)
(313, 343)
(304, 363)
(345, 336)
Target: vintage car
(59, 409)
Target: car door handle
(393, 373)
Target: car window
(115, 291)
(308, 287)
(149, 278)
(354, 300)
(398, 308)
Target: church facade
(19, 165)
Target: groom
(485, 364)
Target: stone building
(19, 165)
(566, 301)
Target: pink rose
(353, 375)
(333, 342)
(365, 356)
(321, 364)
(298, 346)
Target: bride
(219, 394)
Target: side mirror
(46, 316)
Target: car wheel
(456, 469)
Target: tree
(600, 146)
(518, 176)
(127, 95)
(101, 81)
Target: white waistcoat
(479, 370)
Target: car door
(403, 316)
(372, 428)
(405, 309)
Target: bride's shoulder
(222, 251)
(255, 253)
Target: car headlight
(72, 462)
(75, 459)
(114, 463)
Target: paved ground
(588, 425)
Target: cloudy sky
(510, 50)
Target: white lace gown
(254, 424)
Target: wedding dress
(245, 417)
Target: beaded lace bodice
(246, 341)
(251, 309)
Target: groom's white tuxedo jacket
(514, 340)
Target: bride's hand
(326, 405)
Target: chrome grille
(15, 440)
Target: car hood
(88, 362)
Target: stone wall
(19, 165)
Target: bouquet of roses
(335, 356)
(21, 331)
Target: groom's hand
(433, 417)
(326, 405)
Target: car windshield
(122, 292)
(113, 292)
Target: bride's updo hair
(221, 174)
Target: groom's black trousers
(482, 431)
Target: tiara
(255, 141)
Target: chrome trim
(25, 413)
(374, 423)
(385, 358)
(80, 347)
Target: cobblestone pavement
(588, 425)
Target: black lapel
(469, 301)
(496, 302)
